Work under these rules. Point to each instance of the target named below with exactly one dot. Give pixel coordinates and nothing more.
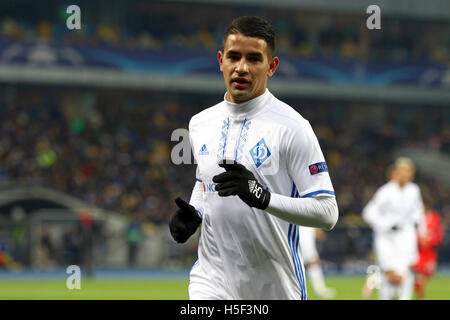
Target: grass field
(348, 288)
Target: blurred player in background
(372, 281)
(394, 213)
(430, 236)
(250, 207)
(312, 262)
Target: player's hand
(238, 181)
(184, 222)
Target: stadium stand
(109, 145)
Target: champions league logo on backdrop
(40, 54)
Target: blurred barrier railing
(47, 242)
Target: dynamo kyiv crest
(260, 152)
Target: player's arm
(319, 211)
(312, 202)
(372, 213)
(185, 221)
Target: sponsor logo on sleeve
(318, 168)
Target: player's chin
(240, 94)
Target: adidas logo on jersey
(203, 151)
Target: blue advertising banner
(187, 62)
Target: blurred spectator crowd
(112, 148)
(301, 33)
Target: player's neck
(247, 108)
(229, 98)
(401, 184)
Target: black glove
(184, 222)
(237, 180)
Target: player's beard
(241, 95)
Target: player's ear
(273, 65)
(220, 59)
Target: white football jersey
(394, 205)
(402, 207)
(244, 252)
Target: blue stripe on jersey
(305, 196)
(293, 245)
(199, 180)
(293, 190)
(294, 260)
(300, 264)
(318, 192)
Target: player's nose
(242, 67)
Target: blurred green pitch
(348, 288)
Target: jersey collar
(247, 108)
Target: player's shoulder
(288, 117)
(206, 115)
(414, 187)
(387, 188)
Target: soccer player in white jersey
(312, 262)
(394, 213)
(260, 174)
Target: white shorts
(396, 250)
(202, 287)
(209, 284)
(308, 248)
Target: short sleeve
(306, 164)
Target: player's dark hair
(255, 27)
